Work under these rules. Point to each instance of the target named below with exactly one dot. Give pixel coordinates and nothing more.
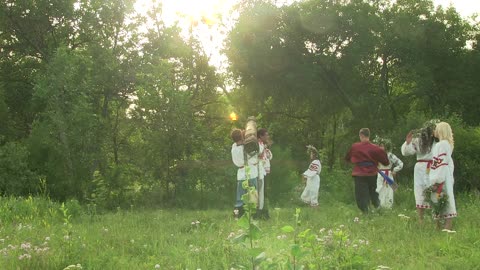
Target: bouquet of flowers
(436, 197)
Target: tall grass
(36, 233)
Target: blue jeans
(241, 190)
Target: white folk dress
(442, 172)
(261, 174)
(239, 160)
(420, 173)
(385, 192)
(310, 193)
(249, 170)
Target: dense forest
(113, 108)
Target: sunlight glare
(196, 11)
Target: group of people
(375, 167)
(253, 168)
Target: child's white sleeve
(268, 154)
(314, 168)
(396, 163)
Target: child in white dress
(312, 177)
(384, 190)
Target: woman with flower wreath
(420, 143)
(441, 175)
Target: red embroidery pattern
(438, 162)
(423, 206)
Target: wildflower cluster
(195, 224)
(26, 250)
(195, 249)
(436, 197)
(233, 235)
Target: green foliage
(336, 186)
(115, 109)
(467, 139)
(284, 177)
(318, 70)
(16, 177)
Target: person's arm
(397, 164)
(237, 156)
(269, 154)
(382, 156)
(409, 147)
(441, 160)
(314, 168)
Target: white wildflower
(25, 256)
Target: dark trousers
(365, 192)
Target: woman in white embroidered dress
(442, 173)
(420, 144)
(310, 193)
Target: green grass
(141, 239)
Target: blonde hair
(444, 132)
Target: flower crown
(431, 123)
(387, 143)
(312, 149)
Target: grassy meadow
(36, 233)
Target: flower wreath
(441, 198)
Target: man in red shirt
(366, 157)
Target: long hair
(312, 150)
(425, 136)
(426, 140)
(444, 132)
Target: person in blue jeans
(245, 171)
